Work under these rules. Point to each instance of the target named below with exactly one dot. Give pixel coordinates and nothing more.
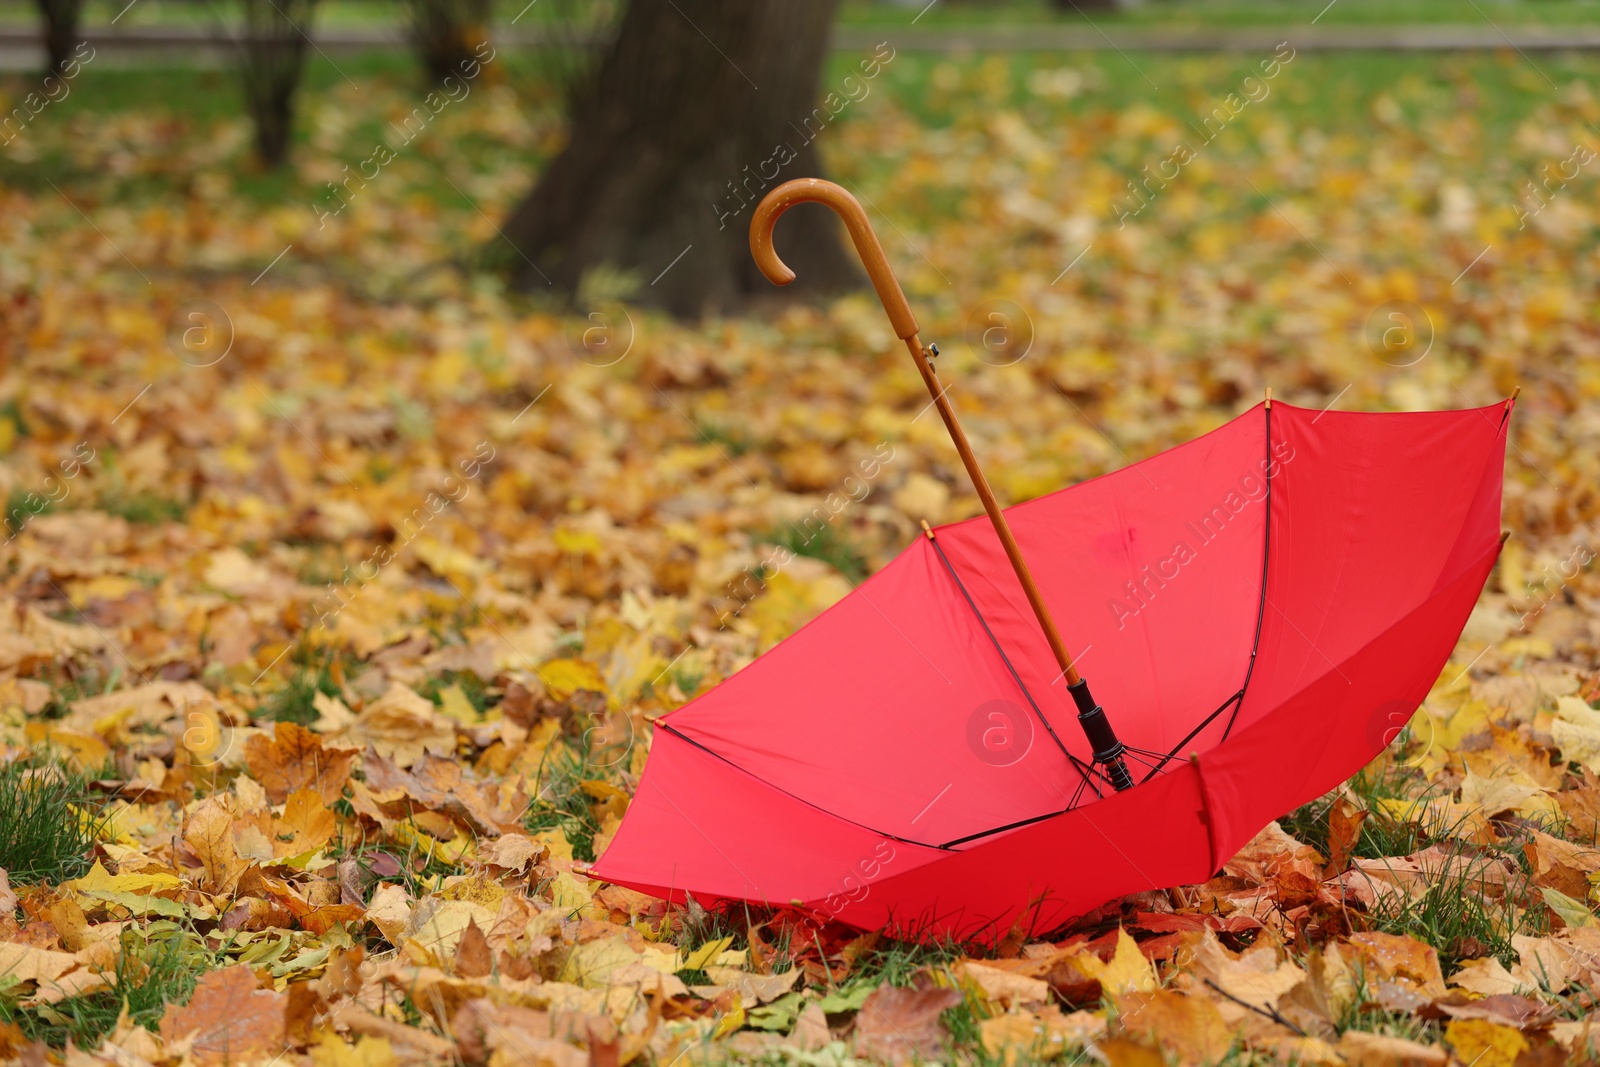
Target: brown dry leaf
(473, 958)
(293, 759)
(1344, 833)
(441, 785)
(230, 1017)
(1546, 962)
(487, 1032)
(1258, 976)
(897, 1025)
(1402, 959)
(1271, 855)
(753, 988)
(1031, 1037)
(306, 824)
(209, 834)
(1399, 879)
(1003, 987)
(1486, 977)
(1561, 865)
(29, 963)
(1189, 1027)
(403, 726)
(511, 851)
(1361, 1049)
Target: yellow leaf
(701, 958)
(1128, 971)
(98, 880)
(732, 1019)
(86, 750)
(367, 1052)
(578, 542)
(447, 561)
(1576, 731)
(1574, 913)
(453, 703)
(563, 677)
(590, 963)
(1485, 1044)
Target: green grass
(1381, 834)
(159, 964)
(312, 671)
(39, 840)
(561, 803)
(472, 687)
(22, 507)
(144, 508)
(1455, 918)
(950, 13)
(822, 543)
(1170, 13)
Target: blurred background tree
(272, 58)
(690, 100)
(60, 21)
(445, 33)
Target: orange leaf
(231, 1017)
(295, 759)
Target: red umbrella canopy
(1260, 610)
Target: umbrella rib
(1051, 730)
(680, 735)
(1207, 721)
(1261, 606)
(1237, 699)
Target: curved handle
(815, 190)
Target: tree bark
(699, 107)
(447, 33)
(61, 34)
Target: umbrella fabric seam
(1050, 729)
(680, 735)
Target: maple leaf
(209, 834)
(294, 759)
(230, 1017)
(896, 1025)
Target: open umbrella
(1262, 609)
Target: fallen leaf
(230, 1017)
(897, 1025)
(1361, 1049)
(209, 834)
(295, 759)
(1487, 1044)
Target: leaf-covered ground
(341, 587)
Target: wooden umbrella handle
(818, 191)
(1091, 717)
(803, 190)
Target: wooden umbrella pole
(1107, 749)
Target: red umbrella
(1262, 609)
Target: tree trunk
(61, 36)
(699, 107)
(272, 58)
(447, 33)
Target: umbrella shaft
(1002, 528)
(1091, 717)
(1108, 749)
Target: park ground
(255, 811)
